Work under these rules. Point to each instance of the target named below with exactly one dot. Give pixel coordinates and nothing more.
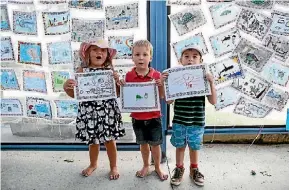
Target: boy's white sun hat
(192, 47)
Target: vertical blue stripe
(287, 120)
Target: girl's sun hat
(99, 43)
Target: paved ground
(224, 166)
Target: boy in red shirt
(147, 125)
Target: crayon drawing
(25, 23)
(255, 4)
(280, 23)
(124, 16)
(11, 108)
(276, 73)
(7, 52)
(66, 108)
(56, 23)
(34, 81)
(227, 69)
(9, 80)
(29, 53)
(226, 96)
(280, 45)
(86, 4)
(183, 2)
(87, 30)
(58, 79)
(123, 68)
(5, 25)
(38, 108)
(276, 98)
(59, 52)
(123, 45)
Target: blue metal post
(287, 121)
(158, 38)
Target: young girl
(97, 121)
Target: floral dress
(98, 121)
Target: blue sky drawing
(67, 108)
(4, 19)
(60, 52)
(25, 49)
(11, 107)
(9, 80)
(6, 50)
(25, 23)
(35, 84)
(58, 18)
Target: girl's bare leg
(93, 156)
(112, 156)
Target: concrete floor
(224, 167)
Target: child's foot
(197, 176)
(113, 174)
(161, 174)
(145, 171)
(177, 176)
(88, 171)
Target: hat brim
(190, 48)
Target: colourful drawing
(38, 108)
(29, 53)
(9, 80)
(56, 23)
(5, 25)
(11, 108)
(226, 96)
(276, 73)
(280, 24)
(66, 108)
(87, 30)
(123, 45)
(21, 1)
(256, 4)
(187, 20)
(7, 53)
(276, 98)
(34, 81)
(58, 79)
(196, 40)
(25, 23)
(140, 97)
(227, 69)
(122, 16)
(59, 52)
(86, 4)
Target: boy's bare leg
(112, 156)
(93, 156)
(145, 152)
(180, 155)
(156, 154)
(194, 159)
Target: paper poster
(99, 85)
(253, 23)
(34, 81)
(87, 30)
(56, 23)
(280, 24)
(38, 108)
(29, 53)
(5, 25)
(21, 1)
(226, 96)
(276, 98)
(139, 97)
(187, 20)
(227, 69)
(253, 55)
(53, 1)
(123, 45)
(9, 80)
(87, 4)
(25, 23)
(124, 16)
(256, 4)
(225, 42)
(224, 13)
(7, 52)
(58, 79)
(11, 108)
(276, 73)
(188, 81)
(66, 108)
(279, 44)
(196, 40)
(76, 60)
(252, 109)
(123, 68)
(59, 52)
(183, 2)
(252, 85)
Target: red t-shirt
(133, 76)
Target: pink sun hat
(99, 43)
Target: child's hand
(121, 82)
(170, 101)
(69, 84)
(115, 76)
(159, 82)
(164, 76)
(210, 78)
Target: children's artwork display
(38, 108)
(66, 108)
(56, 23)
(87, 4)
(7, 52)
(5, 24)
(123, 45)
(99, 85)
(59, 52)
(25, 23)
(9, 80)
(34, 81)
(139, 97)
(187, 81)
(29, 53)
(58, 79)
(11, 108)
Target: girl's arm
(69, 85)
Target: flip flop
(138, 174)
(163, 177)
(85, 174)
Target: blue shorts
(191, 135)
